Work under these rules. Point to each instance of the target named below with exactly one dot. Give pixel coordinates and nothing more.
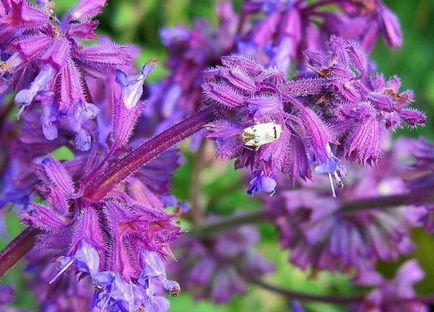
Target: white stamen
(61, 271)
(332, 185)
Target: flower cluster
(119, 242)
(282, 30)
(44, 61)
(325, 233)
(190, 52)
(274, 126)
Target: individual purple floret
(217, 268)
(386, 295)
(46, 63)
(323, 234)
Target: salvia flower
(322, 235)
(265, 130)
(58, 81)
(120, 242)
(282, 30)
(190, 52)
(358, 105)
(113, 241)
(217, 268)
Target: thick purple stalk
(131, 162)
(17, 249)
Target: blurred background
(139, 22)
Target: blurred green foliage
(139, 22)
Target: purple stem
(17, 249)
(295, 295)
(418, 197)
(121, 169)
(341, 300)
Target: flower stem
(380, 202)
(17, 249)
(258, 216)
(419, 197)
(295, 295)
(341, 300)
(121, 169)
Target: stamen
(70, 262)
(332, 185)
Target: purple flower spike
(264, 125)
(46, 55)
(323, 235)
